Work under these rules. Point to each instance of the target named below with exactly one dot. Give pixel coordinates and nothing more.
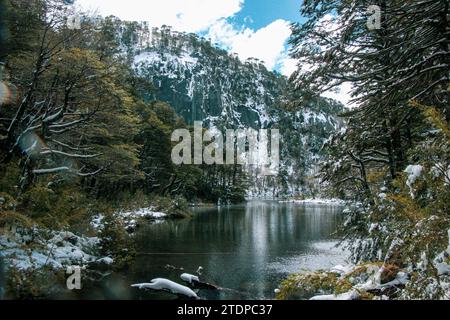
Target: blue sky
(260, 13)
(250, 28)
(245, 27)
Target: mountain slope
(205, 83)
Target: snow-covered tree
(396, 68)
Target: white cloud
(266, 44)
(182, 15)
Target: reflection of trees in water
(235, 244)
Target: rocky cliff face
(205, 83)
(202, 82)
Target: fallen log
(196, 283)
(161, 284)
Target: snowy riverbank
(131, 218)
(37, 248)
(55, 249)
(369, 281)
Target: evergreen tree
(392, 68)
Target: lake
(245, 249)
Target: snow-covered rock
(162, 284)
(189, 278)
(62, 249)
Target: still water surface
(246, 249)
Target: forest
(85, 133)
(392, 156)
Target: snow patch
(189, 278)
(162, 284)
(62, 249)
(144, 213)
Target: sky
(250, 28)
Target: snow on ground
(165, 59)
(131, 218)
(144, 213)
(441, 261)
(58, 250)
(168, 64)
(368, 278)
(363, 279)
(97, 222)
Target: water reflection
(247, 248)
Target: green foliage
(113, 145)
(176, 207)
(10, 177)
(115, 242)
(306, 285)
(409, 224)
(398, 217)
(34, 284)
